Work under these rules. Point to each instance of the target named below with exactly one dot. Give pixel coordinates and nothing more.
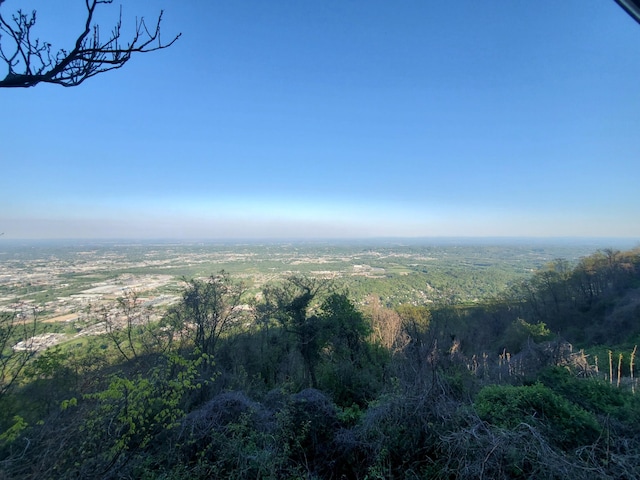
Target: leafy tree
(47, 380)
(520, 331)
(415, 321)
(291, 305)
(208, 309)
(133, 414)
(121, 330)
(346, 326)
(415, 324)
(131, 328)
(31, 61)
(352, 368)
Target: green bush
(595, 395)
(517, 334)
(565, 423)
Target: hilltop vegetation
(303, 381)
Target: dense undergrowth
(306, 384)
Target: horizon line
(359, 239)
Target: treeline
(300, 382)
(597, 302)
(579, 303)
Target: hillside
(306, 383)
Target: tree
(421, 349)
(415, 322)
(31, 61)
(291, 304)
(209, 308)
(15, 327)
(386, 325)
(352, 369)
(131, 326)
(347, 329)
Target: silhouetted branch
(31, 61)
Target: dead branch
(31, 61)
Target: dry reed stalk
(610, 367)
(619, 370)
(485, 364)
(633, 356)
(501, 361)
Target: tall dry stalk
(485, 365)
(619, 370)
(633, 356)
(501, 361)
(610, 367)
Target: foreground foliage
(306, 384)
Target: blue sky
(338, 118)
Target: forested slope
(596, 302)
(301, 382)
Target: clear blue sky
(335, 118)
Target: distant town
(66, 284)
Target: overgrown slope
(306, 384)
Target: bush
(307, 425)
(400, 434)
(517, 334)
(565, 423)
(596, 396)
(478, 450)
(231, 436)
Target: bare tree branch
(30, 61)
(15, 326)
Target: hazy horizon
(596, 242)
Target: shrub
(565, 423)
(595, 395)
(231, 436)
(307, 425)
(400, 433)
(517, 334)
